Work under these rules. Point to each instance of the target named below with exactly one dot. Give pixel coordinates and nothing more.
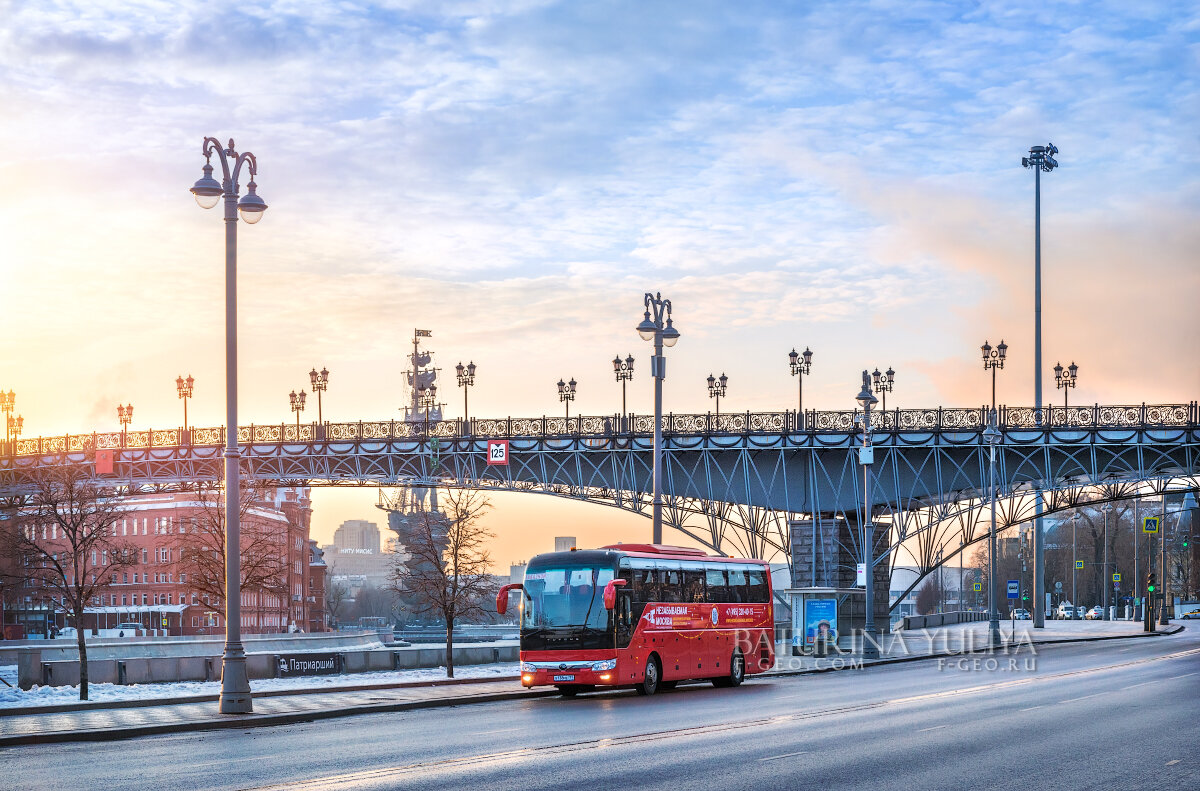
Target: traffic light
(1025, 595)
(1151, 583)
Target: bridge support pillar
(847, 533)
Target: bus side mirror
(610, 594)
(502, 597)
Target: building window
(145, 556)
(122, 599)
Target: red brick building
(156, 592)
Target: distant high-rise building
(564, 543)
(516, 572)
(355, 558)
(357, 534)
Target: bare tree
(63, 547)
(200, 545)
(336, 594)
(927, 596)
(447, 572)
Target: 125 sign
(497, 452)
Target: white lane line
(1185, 675)
(785, 755)
(934, 728)
(1144, 683)
(1031, 708)
(1085, 697)
(488, 733)
(1172, 763)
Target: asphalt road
(1121, 714)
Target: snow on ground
(48, 696)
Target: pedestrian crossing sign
(1079, 564)
(1150, 524)
(1116, 578)
(978, 587)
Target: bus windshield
(565, 596)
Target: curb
(58, 708)
(259, 720)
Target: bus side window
(758, 585)
(718, 588)
(738, 593)
(672, 586)
(693, 586)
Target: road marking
(1172, 763)
(1031, 708)
(1144, 683)
(1085, 697)
(785, 755)
(934, 728)
(488, 733)
(1185, 675)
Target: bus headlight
(528, 668)
(607, 664)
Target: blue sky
(514, 176)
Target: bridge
(745, 483)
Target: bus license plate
(570, 677)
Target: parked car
(1020, 614)
(67, 631)
(1190, 614)
(1081, 612)
(1095, 614)
(1065, 612)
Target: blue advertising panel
(820, 617)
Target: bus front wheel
(649, 683)
(737, 672)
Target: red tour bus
(642, 615)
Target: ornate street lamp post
(235, 683)
(297, 403)
(883, 384)
(320, 383)
(800, 365)
(125, 415)
(867, 524)
(1065, 381)
(716, 389)
(466, 379)
(184, 388)
(7, 400)
(993, 360)
(1041, 158)
(566, 394)
(15, 426)
(660, 330)
(991, 436)
(427, 397)
(623, 369)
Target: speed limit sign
(497, 452)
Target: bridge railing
(1096, 416)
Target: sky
(514, 176)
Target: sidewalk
(908, 646)
(88, 722)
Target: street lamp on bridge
(993, 360)
(235, 682)
(716, 389)
(883, 384)
(1106, 509)
(320, 383)
(660, 330)
(466, 380)
(566, 394)
(7, 400)
(800, 365)
(125, 415)
(866, 400)
(1065, 380)
(623, 369)
(15, 426)
(297, 403)
(184, 388)
(427, 397)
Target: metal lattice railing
(1143, 416)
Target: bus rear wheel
(649, 683)
(737, 672)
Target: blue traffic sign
(1014, 589)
